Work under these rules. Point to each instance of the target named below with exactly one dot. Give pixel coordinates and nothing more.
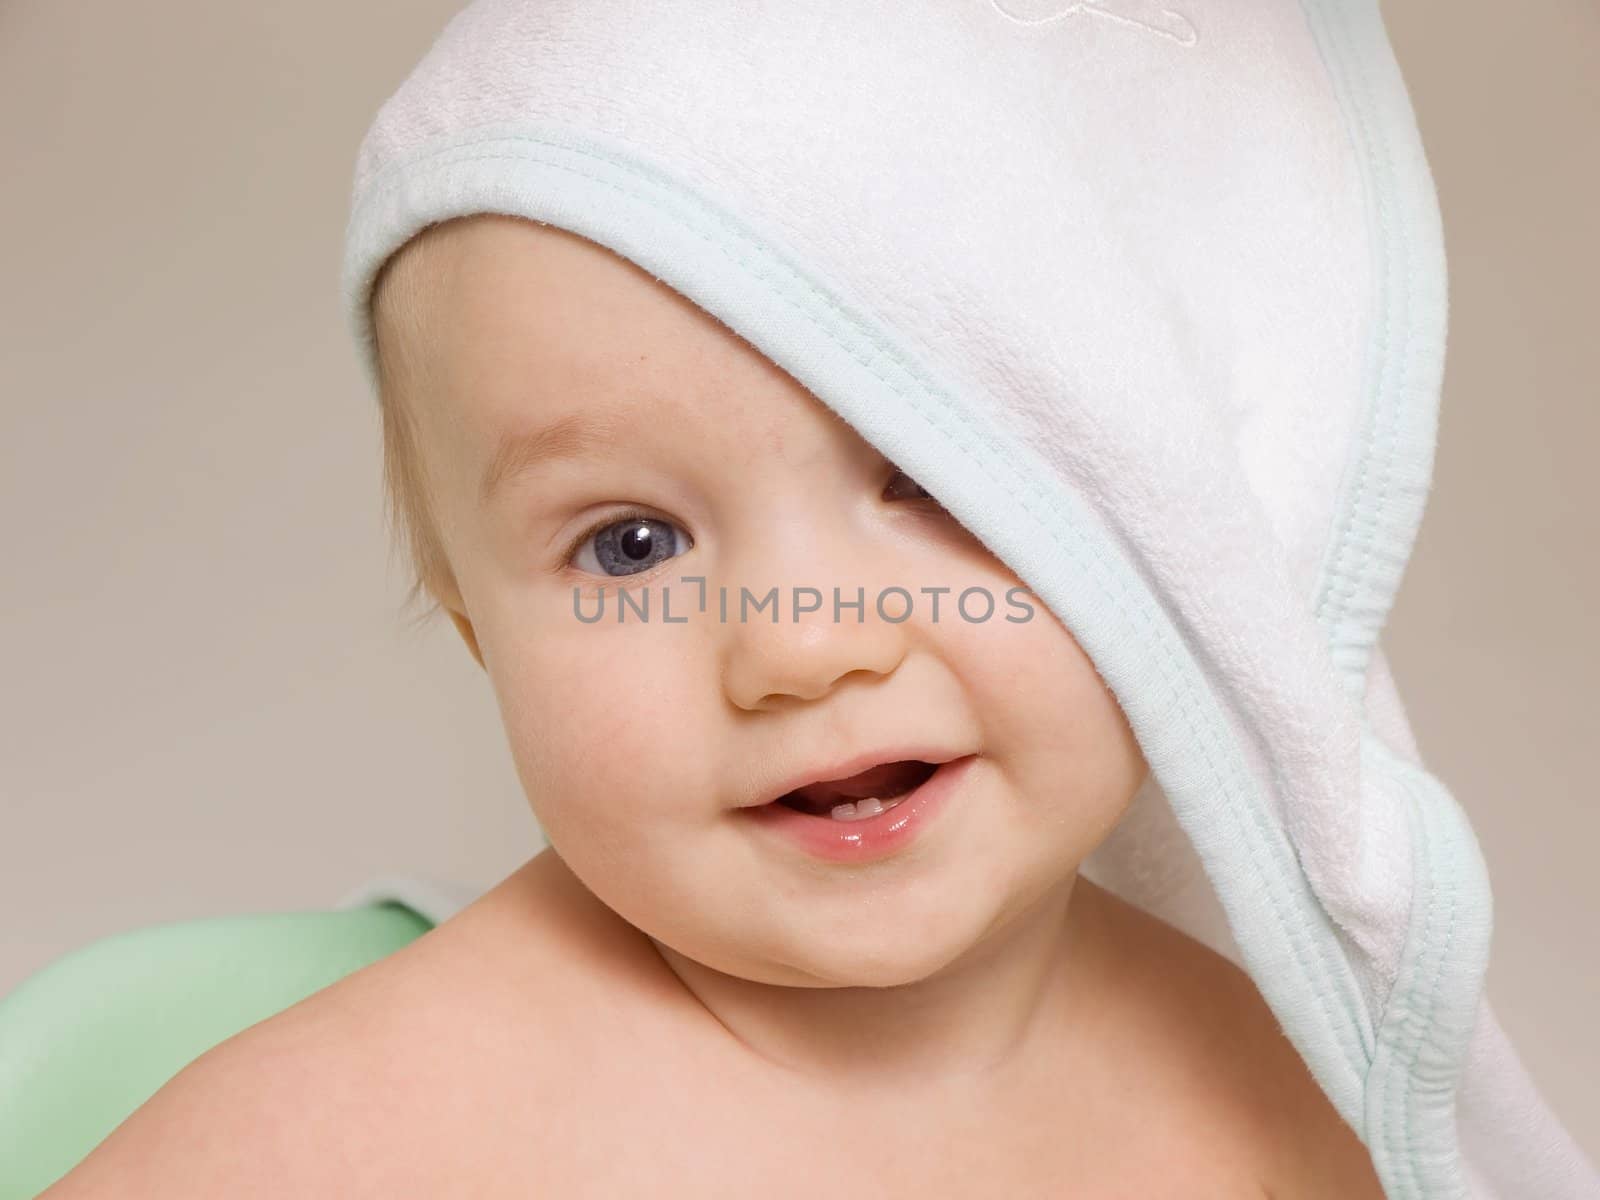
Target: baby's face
(642, 743)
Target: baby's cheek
(605, 711)
(1030, 661)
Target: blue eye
(636, 541)
(626, 545)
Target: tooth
(858, 810)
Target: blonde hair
(398, 303)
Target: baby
(810, 921)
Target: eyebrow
(517, 451)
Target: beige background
(208, 704)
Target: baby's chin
(873, 938)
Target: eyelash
(640, 514)
(627, 514)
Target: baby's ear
(464, 627)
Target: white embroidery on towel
(1168, 23)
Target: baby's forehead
(520, 327)
(524, 298)
(491, 268)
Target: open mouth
(863, 795)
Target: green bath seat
(94, 1034)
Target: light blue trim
(1386, 480)
(997, 486)
(1426, 1026)
(1427, 1023)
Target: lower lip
(873, 837)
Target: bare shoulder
(352, 1091)
(1223, 1035)
(248, 1118)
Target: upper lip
(854, 766)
